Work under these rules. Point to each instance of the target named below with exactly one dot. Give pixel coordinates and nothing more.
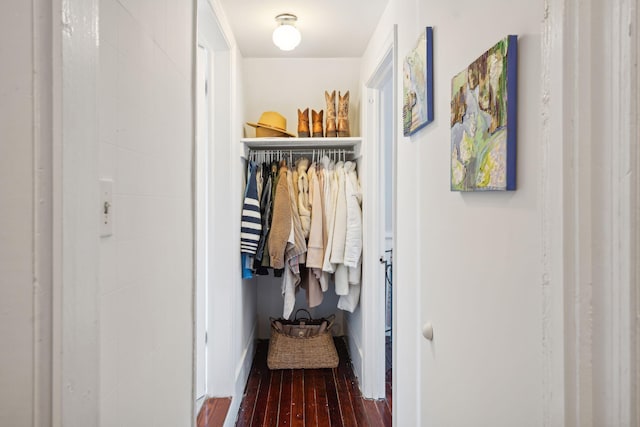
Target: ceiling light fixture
(286, 36)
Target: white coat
(349, 302)
(353, 237)
(353, 241)
(340, 220)
(331, 198)
(340, 235)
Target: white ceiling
(330, 28)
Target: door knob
(427, 331)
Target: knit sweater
(251, 225)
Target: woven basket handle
(330, 319)
(275, 323)
(296, 318)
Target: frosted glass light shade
(286, 36)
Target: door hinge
(206, 337)
(206, 87)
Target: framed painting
(417, 109)
(483, 121)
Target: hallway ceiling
(330, 28)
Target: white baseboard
(242, 374)
(355, 351)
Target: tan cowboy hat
(271, 124)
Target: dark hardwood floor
(308, 397)
(388, 376)
(213, 412)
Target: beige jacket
(294, 253)
(281, 221)
(315, 254)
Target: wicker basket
(302, 352)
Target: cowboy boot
(316, 123)
(343, 115)
(303, 123)
(331, 114)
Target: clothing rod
(302, 152)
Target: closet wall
(284, 85)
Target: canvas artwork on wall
(483, 121)
(417, 109)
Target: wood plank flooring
(213, 412)
(308, 397)
(389, 365)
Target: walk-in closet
(351, 289)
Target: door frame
(201, 213)
(373, 303)
(219, 365)
(590, 200)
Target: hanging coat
(281, 221)
(304, 209)
(349, 302)
(273, 175)
(340, 220)
(294, 253)
(331, 197)
(315, 248)
(265, 212)
(353, 238)
(340, 234)
(322, 276)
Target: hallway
(533, 295)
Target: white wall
(285, 85)
(242, 310)
(145, 137)
(16, 210)
(26, 212)
(474, 271)
(481, 253)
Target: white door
(202, 186)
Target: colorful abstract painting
(417, 109)
(483, 121)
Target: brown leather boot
(316, 124)
(303, 123)
(343, 115)
(331, 114)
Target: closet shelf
(293, 143)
